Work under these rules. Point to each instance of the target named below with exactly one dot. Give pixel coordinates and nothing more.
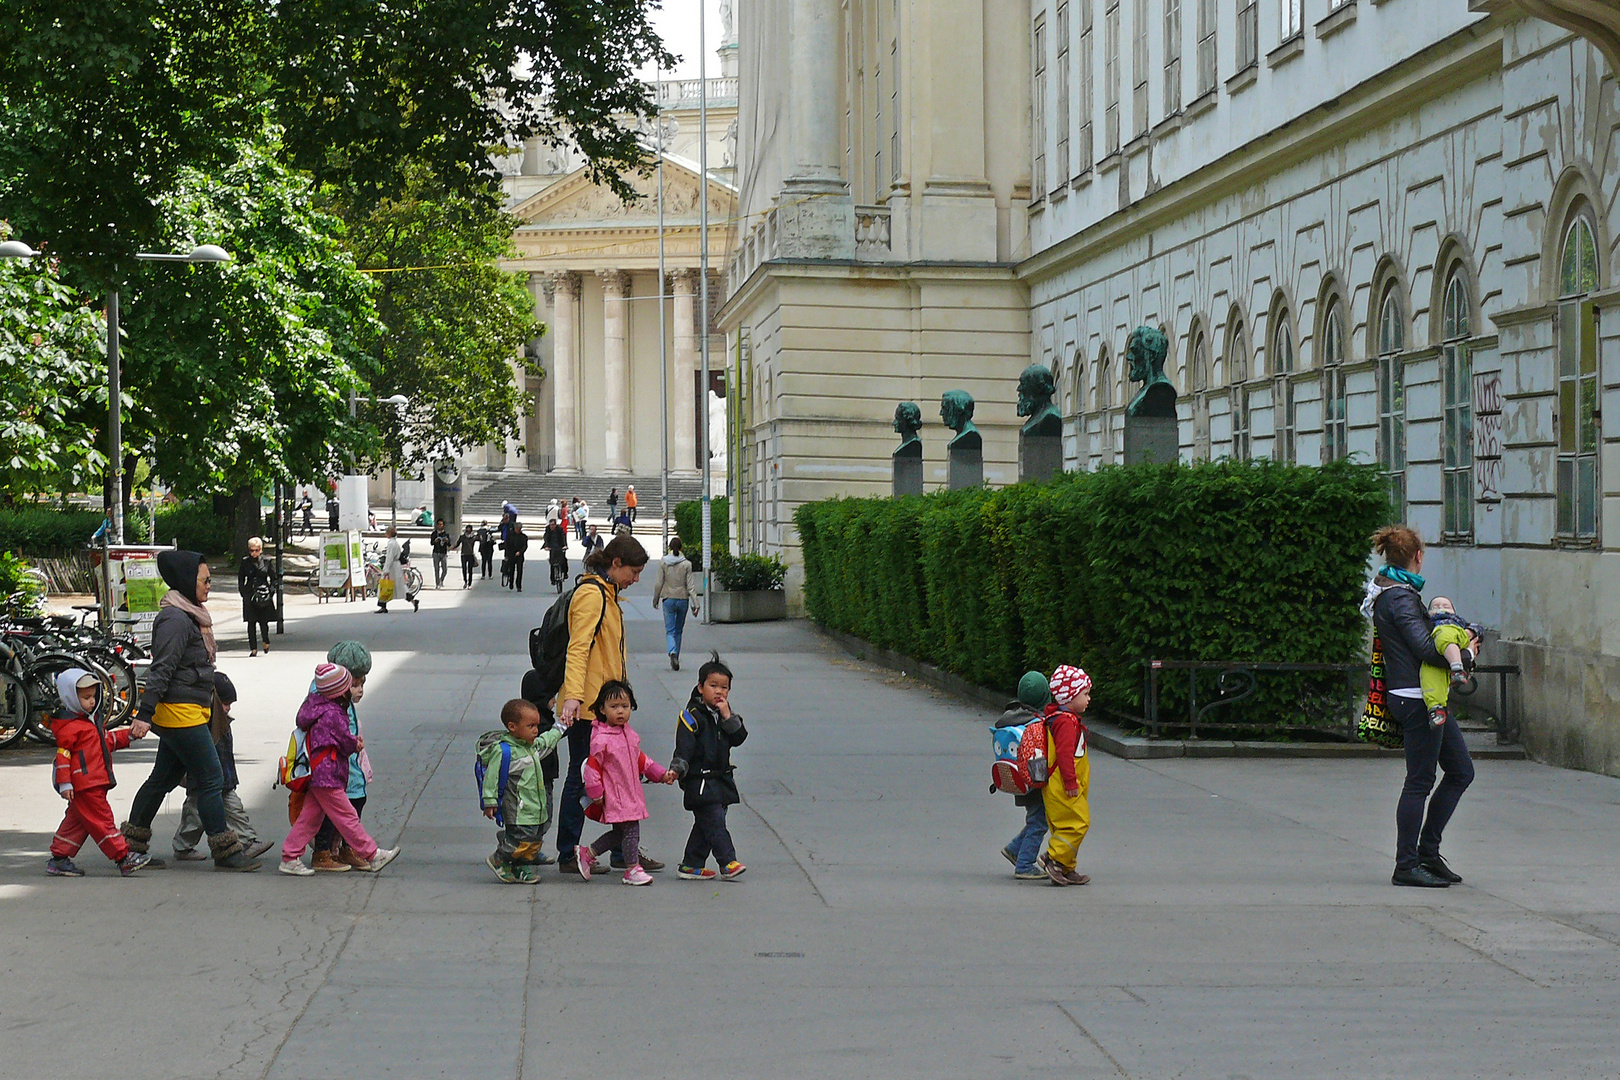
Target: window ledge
(1137, 145)
(1287, 51)
(1083, 180)
(1243, 79)
(1201, 104)
(1109, 163)
(1168, 124)
(1336, 21)
(1058, 194)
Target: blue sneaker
(544, 860)
(62, 867)
(1010, 855)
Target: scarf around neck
(1405, 577)
(197, 613)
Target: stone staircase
(531, 492)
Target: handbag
(385, 590)
(1377, 726)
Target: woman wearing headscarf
(256, 581)
(394, 570)
(177, 705)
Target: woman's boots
(230, 853)
(140, 839)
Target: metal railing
(1236, 681)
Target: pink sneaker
(637, 876)
(586, 860)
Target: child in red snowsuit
(83, 777)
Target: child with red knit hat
(324, 717)
(1068, 814)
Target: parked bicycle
(34, 651)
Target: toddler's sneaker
(502, 870)
(585, 860)
(1056, 873)
(543, 859)
(1438, 716)
(190, 855)
(637, 876)
(259, 847)
(648, 863)
(1076, 879)
(732, 871)
(326, 861)
(527, 875)
(1011, 856)
(383, 857)
(702, 873)
(1459, 677)
(1034, 873)
(296, 868)
(62, 867)
(132, 863)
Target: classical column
(565, 336)
(683, 438)
(616, 369)
(818, 212)
(514, 443)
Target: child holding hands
(1068, 813)
(521, 807)
(613, 775)
(83, 776)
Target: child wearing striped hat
(1068, 814)
(324, 717)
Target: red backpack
(1022, 769)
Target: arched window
(1578, 491)
(1102, 394)
(1457, 407)
(1282, 366)
(1077, 385)
(1198, 382)
(1237, 366)
(1335, 428)
(1392, 396)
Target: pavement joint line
(371, 887)
(1101, 1049)
(766, 822)
(1408, 915)
(1134, 994)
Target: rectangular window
(1392, 430)
(1287, 422)
(1577, 420)
(1139, 68)
(1291, 18)
(1208, 68)
(1172, 57)
(1335, 430)
(878, 176)
(1111, 76)
(1060, 171)
(1248, 33)
(1457, 404)
(1087, 75)
(894, 97)
(1038, 108)
(1240, 423)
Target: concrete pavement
(1240, 922)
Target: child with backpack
(512, 788)
(84, 775)
(612, 777)
(1024, 849)
(1067, 811)
(190, 830)
(704, 736)
(324, 718)
(331, 854)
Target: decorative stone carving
(966, 451)
(907, 457)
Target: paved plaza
(1239, 924)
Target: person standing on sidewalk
(1402, 625)
(256, 581)
(630, 502)
(467, 544)
(672, 590)
(517, 546)
(441, 544)
(486, 549)
(613, 504)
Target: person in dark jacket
(704, 736)
(467, 544)
(555, 542)
(1024, 850)
(331, 512)
(486, 548)
(177, 704)
(517, 544)
(441, 542)
(1402, 624)
(256, 580)
(190, 830)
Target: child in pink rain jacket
(613, 775)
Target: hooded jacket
(181, 673)
(84, 748)
(614, 771)
(703, 742)
(327, 725)
(674, 581)
(523, 802)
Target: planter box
(759, 606)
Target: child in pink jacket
(613, 775)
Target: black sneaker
(62, 867)
(1436, 865)
(1418, 877)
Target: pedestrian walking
(307, 506)
(467, 544)
(630, 502)
(392, 584)
(613, 504)
(612, 779)
(84, 775)
(331, 853)
(1068, 788)
(441, 543)
(596, 656)
(1024, 849)
(593, 540)
(517, 546)
(486, 549)
(331, 513)
(672, 591)
(256, 580)
(582, 519)
(189, 832)
(176, 703)
(555, 543)
(1404, 632)
(705, 734)
(513, 791)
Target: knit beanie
(352, 655)
(224, 687)
(332, 681)
(1032, 690)
(1068, 683)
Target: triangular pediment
(576, 201)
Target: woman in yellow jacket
(595, 655)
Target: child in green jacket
(520, 806)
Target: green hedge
(1252, 561)
(689, 526)
(41, 531)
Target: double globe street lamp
(204, 253)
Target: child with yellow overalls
(1068, 814)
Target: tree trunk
(245, 520)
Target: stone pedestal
(908, 470)
(1151, 440)
(1040, 457)
(966, 467)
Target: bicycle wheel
(314, 583)
(13, 710)
(126, 691)
(413, 582)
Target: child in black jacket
(704, 736)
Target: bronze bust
(1036, 388)
(907, 419)
(956, 409)
(1146, 351)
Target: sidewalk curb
(1114, 740)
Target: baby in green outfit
(1451, 636)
